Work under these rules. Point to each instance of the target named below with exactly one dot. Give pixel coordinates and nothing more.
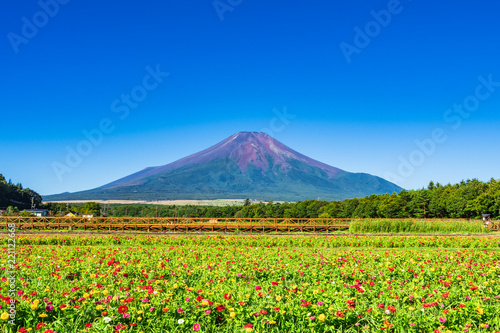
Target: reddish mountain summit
(245, 165)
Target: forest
(467, 199)
(14, 195)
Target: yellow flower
(105, 292)
(34, 306)
(272, 322)
(4, 316)
(479, 311)
(92, 276)
(232, 314)
(139, 318)
(248, 329)
(411, 308)
(282, 311)
(321, 317)
(140, 312)
(86, 295)
(278, 298)
(43, 315)
(36, 302)
(315, 292)
(175, 286)
(99, 307)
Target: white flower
(180, 321)
(106, 319)
(387, 311)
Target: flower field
(253, 284)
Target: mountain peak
(244, 165)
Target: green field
(253, 283)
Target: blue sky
(366, 86)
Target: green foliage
(417, 226)
(468, 200)
(16, 194)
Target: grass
(417, 226)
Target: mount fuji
(245, 165)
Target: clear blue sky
(359, 101)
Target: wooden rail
(187, 224)
(184, 224)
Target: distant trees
(17, 195)
(467, 199)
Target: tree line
(467, 199)
(16, 197)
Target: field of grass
(416, 226)
(252, 284)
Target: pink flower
(196, 327)
(179, 310)
(442, 319)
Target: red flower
(339, 314)
(88, 325)
(275, 283)
(380, 306)
(263, 312)
(227, 296)
(369, 310)
(23, 330)
(248, 326)
(391, 309)
(257, 288)
(40, 325)
(220, 308)
(122, 309)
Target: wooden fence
(187, 224)
(183, 224)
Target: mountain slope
(245, 165)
